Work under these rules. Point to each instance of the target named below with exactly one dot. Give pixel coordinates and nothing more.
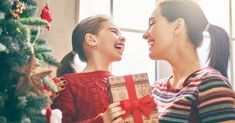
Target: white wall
(59, 36)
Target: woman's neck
(183, 66)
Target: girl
(98, 42)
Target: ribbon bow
(144, 104)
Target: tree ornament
(46, 15)
(17, 9)
(31, 78)
(52, 116)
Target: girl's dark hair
(91, 25)
(196, 23)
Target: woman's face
(110, 43)
(159, 36)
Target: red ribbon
(135, 106)
(145, 105)
(48, 114)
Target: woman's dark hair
(196, 23)
(91, 25)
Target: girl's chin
(118, 58)
(152, 56)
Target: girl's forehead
(109, 24)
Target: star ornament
(31, 78)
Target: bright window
(130, 16)
(135, 58)
(233, 19)
(217, 12)
(92, 7)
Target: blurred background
(132, 16)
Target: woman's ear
(90, 40)
(179, 25)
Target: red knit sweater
(84, 98)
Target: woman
(98, 42)
(193, 93)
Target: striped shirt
(206, 96)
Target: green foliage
(18, 35)
(33, 21)
(50, 60)
(31, 8)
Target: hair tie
(207, 27)
(73, 52)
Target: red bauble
(46, 15)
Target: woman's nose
(121, 38)
(145, 35)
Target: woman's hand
(113, 113)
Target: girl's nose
(145, 35)
(121, 38)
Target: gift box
(134, 94)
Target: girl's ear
(90, 40)
(179, 25)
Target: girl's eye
(115, 32)
(151, 23)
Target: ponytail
(219, 49)
(66, 65)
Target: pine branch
(50, 60)
(40, 41)
(30, 10)
(5, 7)
(17, 31)
(33, 109)
(33, 21)
(17, 59)
(39, 49)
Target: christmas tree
(22, 94)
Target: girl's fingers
(61, 83)
(114, 105)
(117, 115)
(118, 120)
(61, 88)
(115, 111)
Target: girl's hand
(60, 84)
(113, 113)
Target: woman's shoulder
(211, 77)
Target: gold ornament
(31, 78)
(18, 8)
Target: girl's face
(110, 43)
(159, 36)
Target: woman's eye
(151, 22)
(115, 31)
